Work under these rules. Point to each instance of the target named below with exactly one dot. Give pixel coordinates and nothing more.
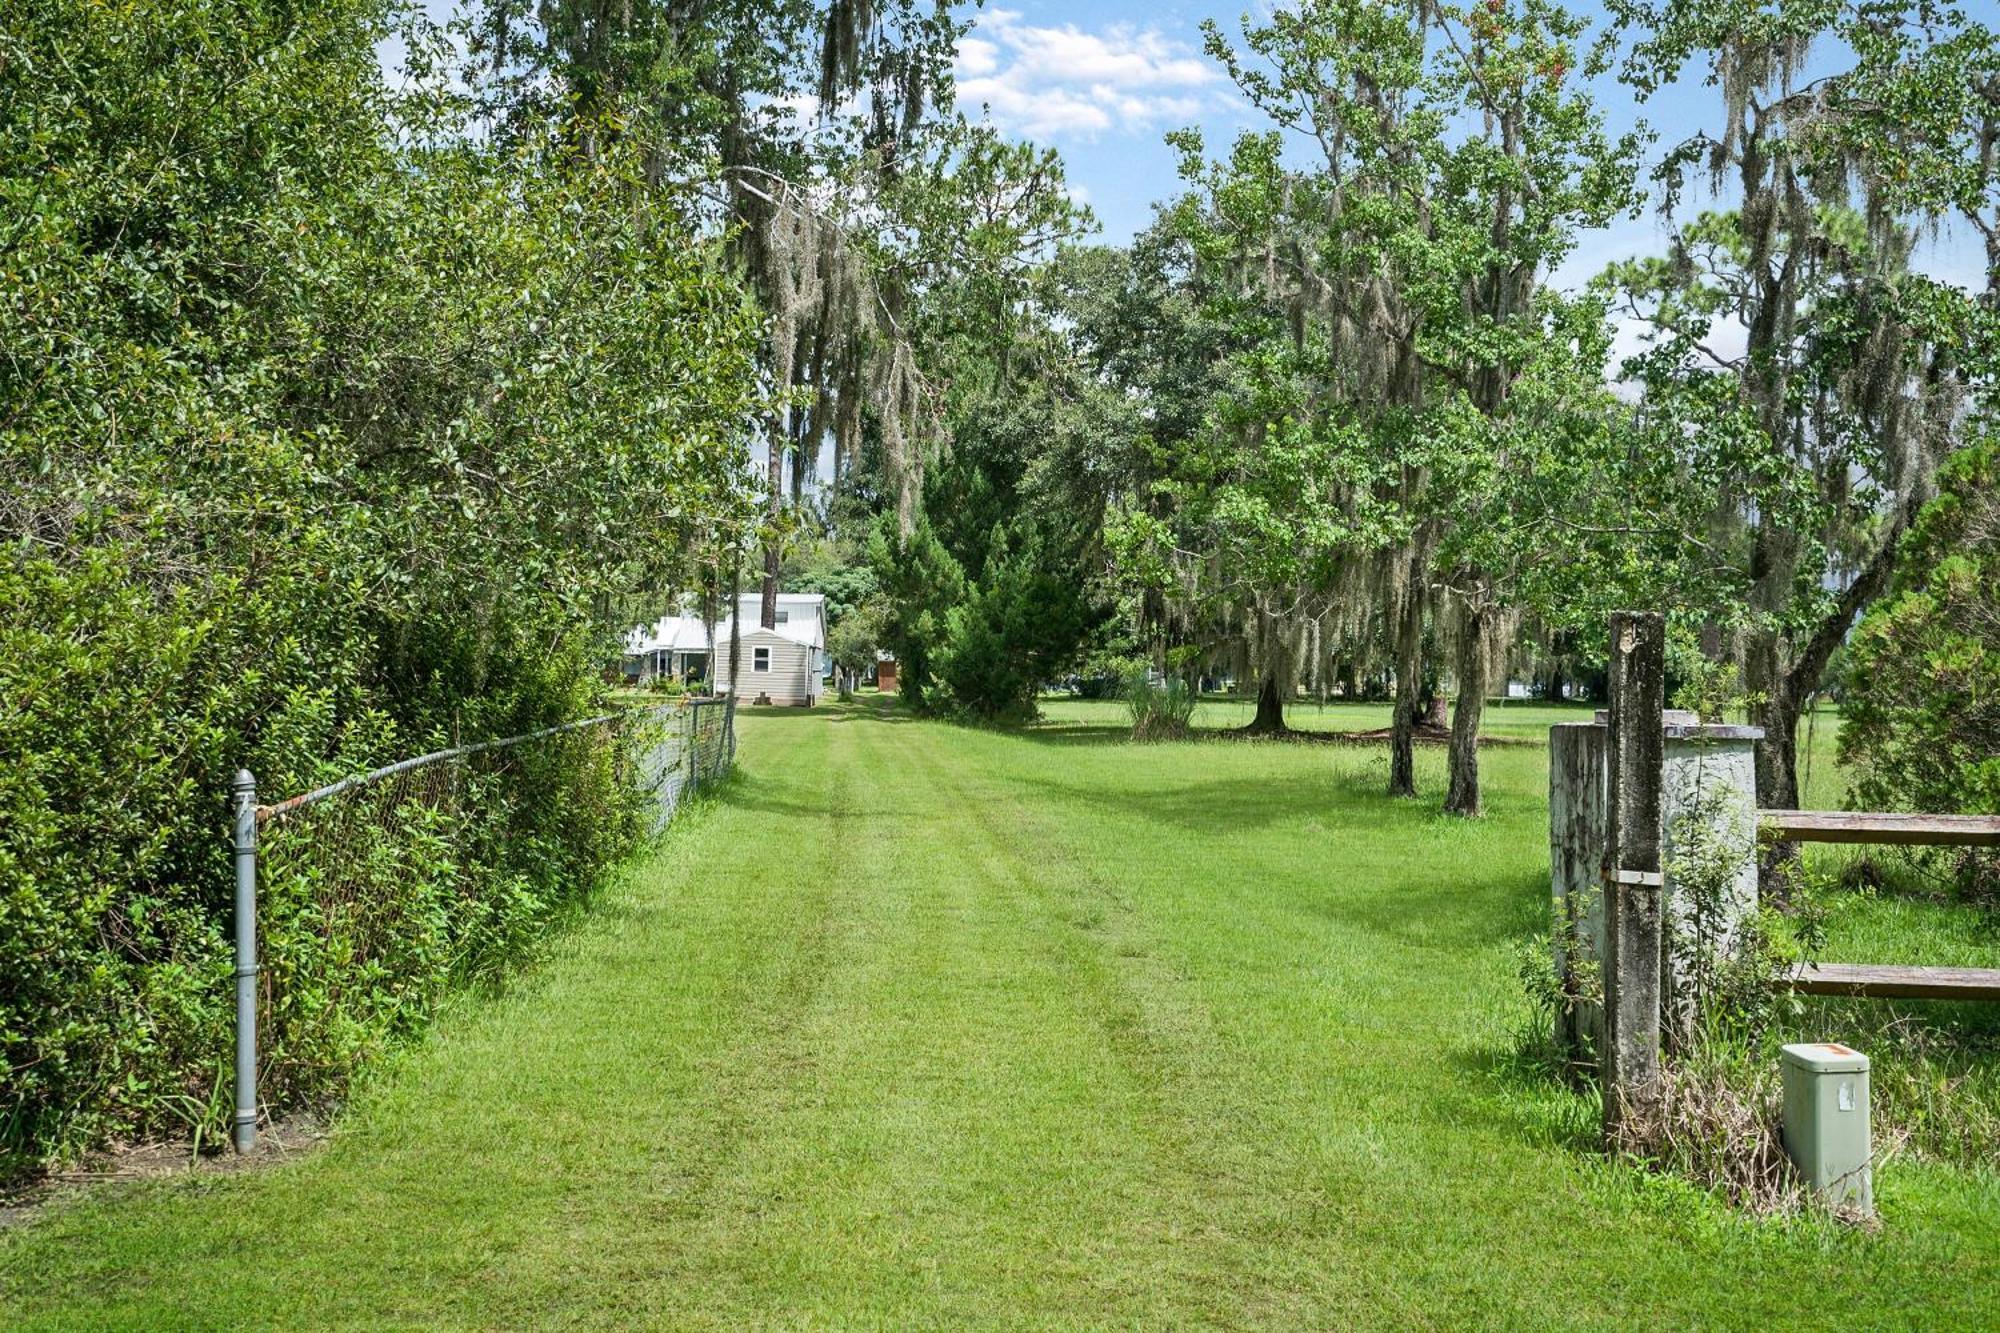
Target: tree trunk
(768, 614)
(736, 625)
(1777, 777)
(1270, 719)
(1778, 752)
(709, 588)
(1315, 678)
(1462, 797)
(1409, 673)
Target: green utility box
(1826, 1121)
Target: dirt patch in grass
(133, 1163)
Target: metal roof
(684, 633)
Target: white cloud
(977, 57)
(1063, 81)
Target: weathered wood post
(1633, 884)
(1576, 876)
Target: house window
(760, 659)
(784, 617)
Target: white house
(786, 664)
(675, 646)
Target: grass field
(924, 1026)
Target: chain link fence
(373, 893)
(696, 745)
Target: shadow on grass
(820, 712)
(1528, 1090)
(1207, 806)
(1430, 912)
(1075, 733)
(1059, 732)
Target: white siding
(790, 679)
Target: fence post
(1576, 877)
(244, 1129)
(1633, 884)
(695, 747)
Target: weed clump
(1715, 1122)
(1162, 710)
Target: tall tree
(1850, 374)
(1455, 160)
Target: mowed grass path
(926, 1026)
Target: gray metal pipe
(283, 808)
(244, 1129)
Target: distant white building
(785, 664)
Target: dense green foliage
(1018, 627)
(327, 430)
(1162, 710)
(1922, 718)
(990, 585)
(373, 904)
(1406, 402)
(920, 583)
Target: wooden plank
(1882, 829)
(1884, 981)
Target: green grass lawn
(1822, 780)
(928, 1027)
(1517, 721)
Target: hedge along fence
(378, 894)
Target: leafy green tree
(1921, 715)
(1401, 354)
(1019, 625)
(851, 644)
(801, 119)
(920, 583)
(844, 579)
(1015, 504)
(1136, 325)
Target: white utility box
(1826, 1122)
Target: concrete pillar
(1702, 765)
(1710, 777)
